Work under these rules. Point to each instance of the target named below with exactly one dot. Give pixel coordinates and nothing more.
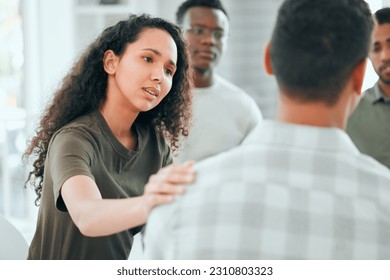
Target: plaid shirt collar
(301, 137)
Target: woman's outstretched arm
(95, 216)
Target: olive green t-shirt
(88, 147)
(369, 125)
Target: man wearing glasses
(223, 114)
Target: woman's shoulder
(82, 128)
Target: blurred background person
(223, 114)
(369, 125)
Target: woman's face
(142, 76)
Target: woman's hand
(95, 216)
(168, 182)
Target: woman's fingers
(165, 188)
(173, 178)
(168, 182)
(161, 194)
(175, 174)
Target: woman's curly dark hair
(83, 90)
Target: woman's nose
(157, 74)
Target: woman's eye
(148, 59)
(169, 72)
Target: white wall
(385, 3)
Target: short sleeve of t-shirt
(168, 157)
(71, 154)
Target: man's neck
(310, 113)
(203, 78)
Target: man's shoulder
(368, 165)
(370, 95)
(234, 94)
(225, 167)
(364, 110)
(228, 85)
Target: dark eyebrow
(378, 42)
(204, 26)
(159, 54)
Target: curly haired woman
(110, 126)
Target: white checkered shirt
(288, 192)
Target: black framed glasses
(199, 30)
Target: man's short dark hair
(382, 16)
(316, 44)
(212, 4)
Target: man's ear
(109, 62)
(267, 59)
(358, 76)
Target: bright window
(12, 112)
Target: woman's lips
(152, 91)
